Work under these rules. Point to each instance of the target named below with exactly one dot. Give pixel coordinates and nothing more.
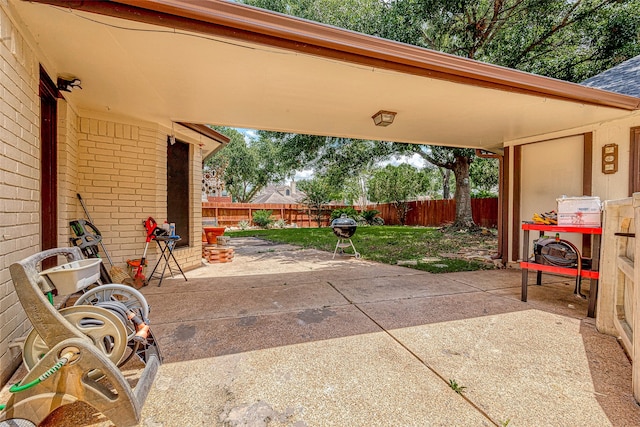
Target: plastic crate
(74, 276)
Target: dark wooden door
(178, 189)
(48, 165)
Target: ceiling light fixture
(68, 84)
(383, 118)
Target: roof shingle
(624, 78)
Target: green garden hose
(55, 368)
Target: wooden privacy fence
(230, 214)
(430, 213)
(434, 213)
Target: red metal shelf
(562, 228)
(589, 274)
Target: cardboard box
(579, 219)
(579, 211)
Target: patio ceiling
(216, 62)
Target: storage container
(579, 211)
(74, 276)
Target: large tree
(570, 40)
(336, 159)
(246, 167)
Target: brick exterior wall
(117, 164)
(122, 177)
(68, 206)
(19, 177)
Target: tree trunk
(464, 217)
(403, 210)
(446, 183)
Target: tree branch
(564, 22)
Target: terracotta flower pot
(212, 234)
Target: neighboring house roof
(278, 195)
(219, 62)
(624, 78)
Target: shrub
(371, 218)
(243, 225)
(349, 211)
(262, 218)
(281, 223)
(483, 194)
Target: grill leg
(336, 249)
(355, 252)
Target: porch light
(383, 118)
(68, 84)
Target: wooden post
(606, 306)
(636, 303)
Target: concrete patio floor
(289, 337)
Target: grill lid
(344, 220)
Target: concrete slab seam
(415, 356)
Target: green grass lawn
(390, 244)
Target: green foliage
(396, 185)
(337, 159)
(280, 223)
(433, 182)
(569, 40)
(484, 194)
(371, 218)
(262, 218)
(484, 174)
(456, 387)
(243, 225)
(348, 211)
(354, 188)
(247, 167)
(364, 16)
(319, 191)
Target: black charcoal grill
(344, 228)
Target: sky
(414, 160)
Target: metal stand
(78, 379)
(592, 274)
(166, 245)
(341, 243)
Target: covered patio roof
(218, 62)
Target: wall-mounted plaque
(610, 158)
